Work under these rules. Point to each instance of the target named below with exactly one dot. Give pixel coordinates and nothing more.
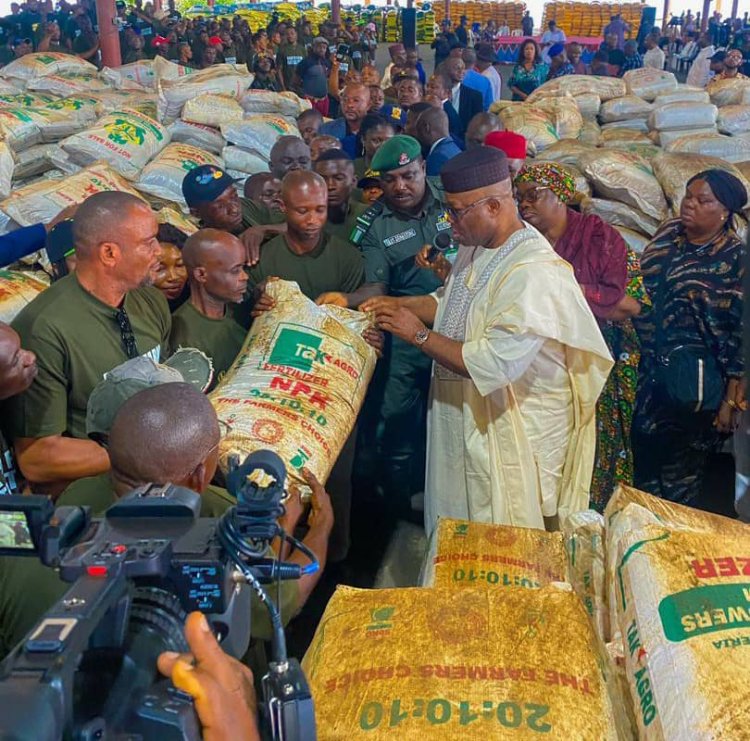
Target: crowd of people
(521, 372)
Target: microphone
(440, 244)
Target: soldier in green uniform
(390, 233)
(336, 167)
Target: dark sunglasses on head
(126, 333)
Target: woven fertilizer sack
(126, 139)
(6, 88)
(198, 135)
(618, 214)
(666, 136)
(68, 83)
(24, 127)
(220, 79)
(266, 101)
(565, 151)
(683, 94)
(590, 133)
(82, 108)
(415, 664)
(31, 66)
(476, 554)
(729, 148)
(297, 385)
(648, 83)
(212, 110)
(7, 169)
(186, 224)
(673, 170)
(684, 612)
(630, 509)
(113, 100)
(683, 116)
(164, 69)
(532, 123)
(33, 161)
(589, 105)
(43, 200)
(617, 134)
(258, 132)
(734, 119)
(605, 87)
(584, 546)
(135, 76)
(728, 92)
(244, 161)
(563, 114)
(624, 109)
(163, 176)
(636, 241)
(16, 290)
(626, 178)
(26, 100)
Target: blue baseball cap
(204, 184)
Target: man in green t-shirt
(164, 434)
(289, 55)
(81, 327)
(215, 262)
(336, 167)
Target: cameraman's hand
(321, 512)
(221, 687)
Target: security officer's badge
(403, 159)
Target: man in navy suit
(432, 132)
(439, 91)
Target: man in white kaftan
(519, 363)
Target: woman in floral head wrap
(608, 274)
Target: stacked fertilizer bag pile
(68, 131)
(635, 141)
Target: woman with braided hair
(608, 274)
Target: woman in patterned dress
(607, 272)
(692, 272)
(529, 72)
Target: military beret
(397, 152)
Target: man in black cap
(519, 362)
(485, 65)
(211, 195)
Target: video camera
(87, 670)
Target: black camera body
(87, 670)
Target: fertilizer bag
(297, 385)
(472, 554)
(438, 664)
(683, 603)
(16, 290)
(258, 132)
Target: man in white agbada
(519, 362)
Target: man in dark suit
(466, 102)
(432, 133)
(439, 92)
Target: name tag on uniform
(400, 237)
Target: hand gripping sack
(477, 554)
(258, 132)
(648, 83)
(212, 110)
(297, 385)
(163, 176)
(44, 63)
(16, 290)
(673, 170)
(626, 178)
(43, 200)
(470, 664)
(683, 604)
(126, 139)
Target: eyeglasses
(126, 333)
(458, 214)
(532, 195)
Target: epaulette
(364, 222)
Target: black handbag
(689, 378)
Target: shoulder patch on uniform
(364, 222)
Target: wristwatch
(421, 337)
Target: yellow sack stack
(470, 554)
(415, 664)
(683, 604)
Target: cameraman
(167, 433)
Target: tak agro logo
(381, 620)
(297, 349)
